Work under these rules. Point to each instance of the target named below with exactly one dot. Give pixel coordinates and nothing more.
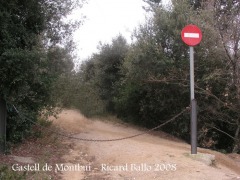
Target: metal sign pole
(192, 36)
(3, 113)
(192, 72)
(193, 105)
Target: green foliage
(97, 80)
(30, 59)
(158, 62)
(156, 81)
(70, 91)
(7, 173)
(37, 131)
(154, 87)
(59, 61)
(128, 102)
(147, 82)
(107, 70)
(92, 89)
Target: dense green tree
(104, 69)
(156, 71)
(227, 23)
(93, 87)
(157, 76)
(30, 56)
(148, 82)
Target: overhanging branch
(222, 131)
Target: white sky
(105, 19)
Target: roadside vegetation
(42, 146)
(35, 51)
(147, 82)
(144, 83)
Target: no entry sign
(191, 35)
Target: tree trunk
(236, 147)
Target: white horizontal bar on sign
(191, 35)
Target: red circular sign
(191, 35)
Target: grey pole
(193, 106)
(192, 73)
(3, 114)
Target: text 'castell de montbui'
(47, 167)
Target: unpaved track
(156, 153)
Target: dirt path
(143, 157)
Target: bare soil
(144, 157)
(42, 147)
